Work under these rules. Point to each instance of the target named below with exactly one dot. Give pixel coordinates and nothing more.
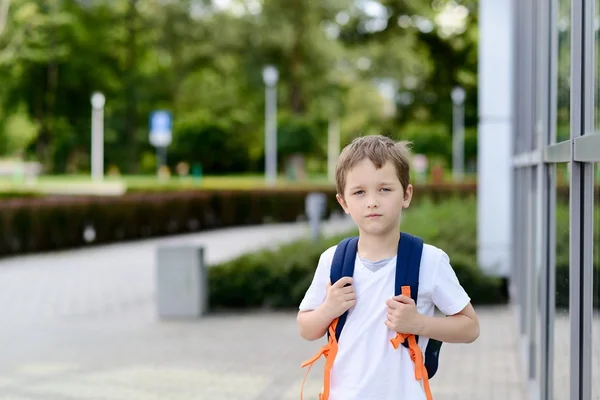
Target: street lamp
(270, 78)
(458, 96)
(98, 100)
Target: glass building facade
(555, 193)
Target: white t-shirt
(367, 366)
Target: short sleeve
(317, 291)
(448, 294)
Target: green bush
(279, 278)
(268, 278)
(54, 222)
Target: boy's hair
(378, 149)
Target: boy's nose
(372, 203)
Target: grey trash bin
(181, 281)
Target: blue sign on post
(160, 128)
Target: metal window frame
(558, 153)
(549, 201)
(545, 183)
(587, 148)
(517, 271)
(581, 199)
(528, 159)
(536, 156)
(586, 213)
(529, 188)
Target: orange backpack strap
(329, 351)
(415, 353)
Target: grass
(84, 183)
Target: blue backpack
(408, 265)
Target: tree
(203, 61)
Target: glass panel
(563, 25)
(561, 318)
(597, 68)
(596, 291)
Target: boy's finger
(347, 289)
(391, 303)
(403, 299)
(343, 281)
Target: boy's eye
(358, 192)
(385, 189)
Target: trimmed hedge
(19, 194)
(29, 225)
(279, 278)
(56, 222)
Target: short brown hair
(378, 149)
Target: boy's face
(374, 198)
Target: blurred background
(167, 186)
(353, 67)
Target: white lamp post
(270, 78)
(458, 135)
(98, 100)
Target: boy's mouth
(373, 215)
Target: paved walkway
(82, 325)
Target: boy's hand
(339, 298)
(402, 315)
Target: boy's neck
(375, 248)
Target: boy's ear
(340, 200)
(407, 196)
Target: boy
(373, 187)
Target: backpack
(408, 263)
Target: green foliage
(204, 63)
(297, 135)
(431, 139)
(17, 132)
(198, 140)
(278, 278)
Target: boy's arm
(462, 327)
(312, 320)
(461, 324)
(313, 325)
